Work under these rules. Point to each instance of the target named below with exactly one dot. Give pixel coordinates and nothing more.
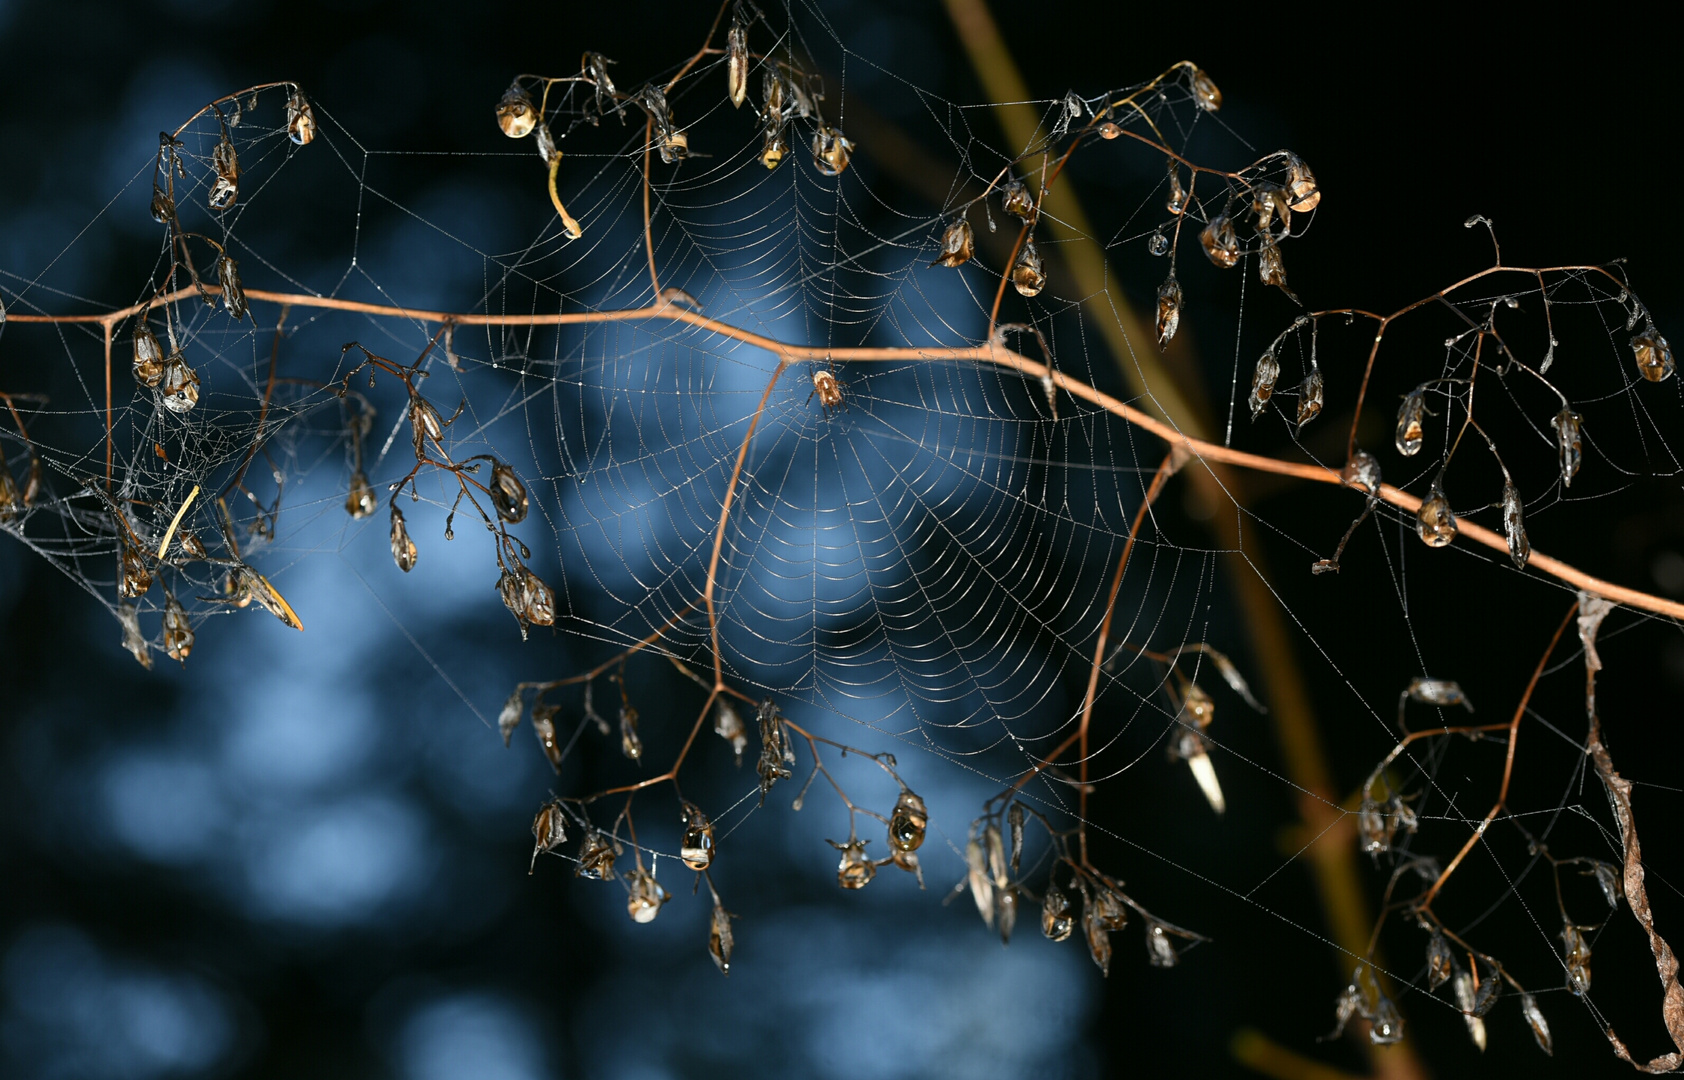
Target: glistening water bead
(908, 822)
(696, 847)
(361, 502)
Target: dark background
(1556, 133)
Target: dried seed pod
(631, 744)
(1056, 920)
(1205, 93)
(776, 93)
(1301, 186)
(1578, 959)
(1568, 443)
(404, 552)
(1514, 527)
(1268, 201)
(226, 187)
(362, 501)
(549, 831)
(1363, 470)
(1221, 244)
(1371, 828)
(1099, 940)
(978, 881)
(509, 718)
(1442, 692)
(148, 357)
(191, 545)
(1176, 201)
(508, 494)
(1654, 355)
(1608, 880)
(1535, 1020)
(228, 279)
(1263, 382)
(543, 726)
(1169, 309)
(178, 632)
(772, 145)
(1196, 708)
(1463, 987)
(1487, 993)
(729, 726)
(775, 753)
(1409, 422)
(540, 601)
(1005, 912)
(247, 585)
(1400, 817)
(11, 505)
(1014, 828)
(736, 64)
(134, 577)
(957, 245)
(831, 150)
(1434, 521)
(1204, 772)
(596, 857)
(646, 896)
(548, 152)
(1309, 397)
(1270, 269)
(1108, 906)
(908, 822)
(1029, 276)
(696, 847)
(595, 68)
(180, 385)
(855, 869)
(1440, 964)
(1386, 1025)
(720, 941)
(1160, 948)
(301, 119)
(995, 844)
(163, 207)
(1016, 200)
(516, 114)
(133, 639)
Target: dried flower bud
(1016, 200)
(1205, 93)
(720, 941)
(696, 847)
(549, 831)
(1463, 987)
(772, 145)
(831, 150)
(908, 822)
(1434, 521)
(1440, 964)
(644, 900)
(1386, 1025)
(978, 881)
(1169, 310)
(362, 501)
(956, 245)
(1160, 948)
(1056, 920)
(630, 744)
(1301, 186)
(226, 187)
(1654, 355)
(1514, 526)
(1568, 443)
(228, 279)
(301, 119)
(855, 870)
(736, 64)
(516, 114)
(729, 726)
(1176, 202)
(596, 857)
(133, 640)
(1221, 245)
(1362, 470)
(148, 357)
(180, 385)
(1535, 1020)
(1309, 397)
(178, 632)
(509, 718)
(543, 726)
(1409, 418)
(1029, 276)
(1263, 382)
(508, 494)
(404, 552)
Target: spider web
(930, 559)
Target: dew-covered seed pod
(596, 857)
(720, 941)
(1577, 959)
(831, 150)
(1409, 422)
(1363, 470)
(404, 552)
(1440, 963)
(549, 831)
(1371, 827)
(1301, 187)
(163, 207)
(1016, 200)
(957, 245)
(1108, 907)
(1309, 397)
(1535, 1020)
(776, 93)
(1056, 920)
(180, 385)
(301, 119)
(226, 187)
(178, 632)
(644, 900)
(1169, 310)
(631, 744)
(508, 494)
(1029, 275)
(1568, 443)
(1221, 243)
(509, 718)
(1205, 93)
(772, 146)
(362, 501)
(1386, 1025)
(543, 726)
(1176, 201)
(1434, 521)
(908, 822)
(855, 869)
(1270, 269)
(1654, 355)
(228, 280)
(1514, 526)
(729, 726)
(1099, 940)
(736, 64)
(696, 847)
(133, 639)
(775, 754)
(1268, 201)
(1160, 947)
(978, 881)
(1014, 827)
(1462, 986)
(148, 357)
(516, 114)
(1263, 382)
